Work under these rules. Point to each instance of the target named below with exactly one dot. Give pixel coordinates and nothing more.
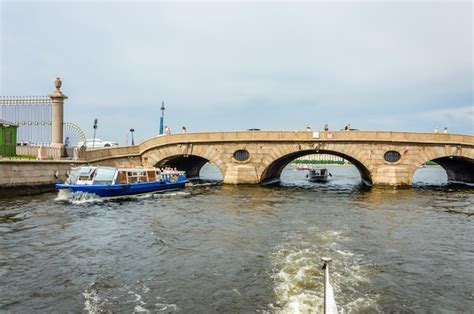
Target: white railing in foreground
(329, 301)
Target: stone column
(241, 174)
(394, 176)
(57, 116)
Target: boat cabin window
(73, 176)
(85, 173)
(136, 176)
(151, 175)
(104, 176)
(122, 177)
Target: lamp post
(162, 116)
(131, 131)
(95, 129)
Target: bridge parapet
(306, 136)
(111, 152)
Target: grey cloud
(238, 65)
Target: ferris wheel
(73, 133)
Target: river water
(217, 248)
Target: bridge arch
(184, 156)
(191, 164)
(459, 169)
(273, 171)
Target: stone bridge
(252, 157)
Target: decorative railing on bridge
(50, 153)
(39, 152)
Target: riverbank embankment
(19, 177)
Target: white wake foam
(93, 303)
(171, 194)
(298, 275)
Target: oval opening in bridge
(241, 155)
(392, 156)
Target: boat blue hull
(122, 189)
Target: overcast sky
(403, 66)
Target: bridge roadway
(270, 151)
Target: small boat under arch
(318, 175)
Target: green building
(7, 138)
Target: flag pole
(162, 116)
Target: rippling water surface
(215, 248)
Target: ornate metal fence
(32, 114)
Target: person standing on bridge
(326, 127)
(167, 130)
(66, 146)
(445, 131)
(183, 130)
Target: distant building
(7, 138)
